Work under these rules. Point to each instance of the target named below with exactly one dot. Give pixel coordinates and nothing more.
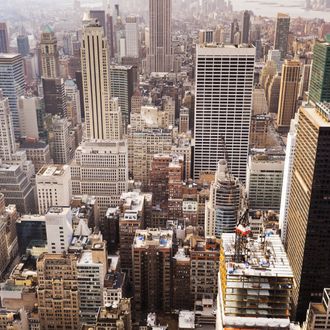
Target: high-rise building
(160, 58)
(54, 96)
(319, 89)
(224, 207)
(92, 266)
(287, 105)
(256, 293)
(304, 81)
(110, 35)
(287, 177)
(53, 187)
(49, 54)
(204, 255)
(309, 208)
(58, 295)
(100, 169)
(28, 115)
(16, 187)
(132, 218)
(273, 93)
(58, 228)
(281, 33)
(73, 101)
(234, 29)
(60, 140)
(4, 40)
(123, 80)
(23, 46)
(12, 84)
(246, 27)
(223, 107)
(181, 281)
(152, 253)
(142, 147)
(264, 180)
(96, 82)
(132, 37)
(7, 138)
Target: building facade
(223, 107)
(309, 207)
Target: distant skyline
(270, 8)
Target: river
(270, 8)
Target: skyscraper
(132, 37)
(12, 84)
(223, 107)
(307, 240)
(152, 253)
(49, 54)
(96, 82)
(287, 176)
(160, 58)
(7, 138)
(246, 27)
(54, 96)
(289, 89)
(4, 41)
(23, 46)
(123, 80)
(222, 211)
(58, 295)
(281, 33)
(319, 89)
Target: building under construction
(255, 282)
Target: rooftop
(153, 237)
(266, 258)
(114, 280)
(132, 201)
(186, 320)
(53, 170)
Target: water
(270, 8)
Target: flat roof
(53, 170)
(267, 257)
(153, 237)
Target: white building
(53, 187)
(100, 169)
(132, 37)
(7, 138)
(264, 180)
(287, 176)
(59, 229)
(27, 112)
(223, 105)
